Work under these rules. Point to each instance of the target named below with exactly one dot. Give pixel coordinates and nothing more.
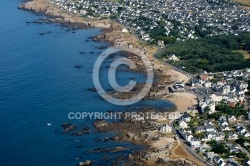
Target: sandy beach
(115, 36)
(183, 101)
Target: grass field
(245, 3)
(245, 54)
(179, 152)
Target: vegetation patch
(243, 1)
(212, 53)
(245, 53)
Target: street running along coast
(161, 148)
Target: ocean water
(39, 84)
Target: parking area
(201, 91)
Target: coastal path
(187, 148)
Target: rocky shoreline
(59, 16)
(138, 132)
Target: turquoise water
(39, 84)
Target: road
(180, 140)
(156, 53)
(168, 64)
(244, 150)
(187, 148)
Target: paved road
(244, 150)
(187, 148)
(156, 53)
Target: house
(207, 84)
(194, 142)
(222, 119)
(231, 104)
(231, 97)
(224, 128)
(234, 148)
(183, 124)
(203, 78)
(226, 89)
(220, 136)
(207, 104)
(130, 46)
(233, 136)
(241, 85)
(241, 129)
(160, 43)
(246, 144)
(217, 97)
(223, 123)
(218, 161)
(239, 126)
(186, 117)
(211, 135)
(199, 129)
(179, 84)
(83, 12)
(124, 30)
(228, 144)
(210, 128)
(207, 122)
(188, 131)
(186, 136)
(192, 111)
(173, 57)
(205, 147)
(231, 118)
(246, 134)
(165, 128)
(246, 162)
(248, 115)
(178, 87)
(232, 163)
(182, 132)
(195, 82)
(210, 155)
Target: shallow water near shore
(39, 84)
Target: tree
(207, 109)
(216, 53)
(226, 137)
(220, 148)
(240, 141)
(212, 143)
(203, 63)
(241, 155)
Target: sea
(40, 85)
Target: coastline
(112, 33)
(60, 16)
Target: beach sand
(183, 101)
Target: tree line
(211, 53)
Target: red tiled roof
(231, 104)
(204, 76)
